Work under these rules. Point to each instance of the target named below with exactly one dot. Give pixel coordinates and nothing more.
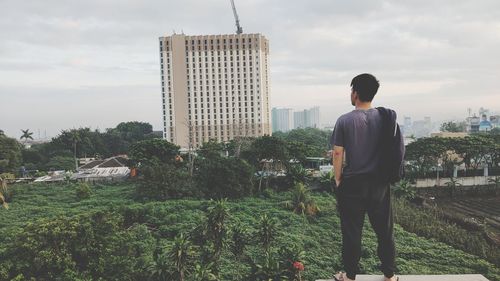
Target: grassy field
(319, 236)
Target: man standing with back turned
(367, 136)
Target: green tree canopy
(85, 142)
(452, 126)
(212, 148)
(267, 147)
(473, 151)
(315, 141)
(10, 154)
(153, 151)
(221, 177)
(60, 163)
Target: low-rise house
(110, 169)
(113, 168)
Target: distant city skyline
(95, 63)
(42, 133)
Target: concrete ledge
(457, 277)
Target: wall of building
(463, 181)
(215, 87)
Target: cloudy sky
(67, 64)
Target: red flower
(298, 265)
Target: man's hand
(337, 182)
(338, 159)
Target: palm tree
(239, 235)
(216, 227)
(160, 268)
(452, 184)
(301, 202)
(181, 254)
(26, 135)
(267, 232)
(204, 273)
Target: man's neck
(363, 105)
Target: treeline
(241, 167)
(60, 152)
(474, 151)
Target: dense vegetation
(424, 154)
(53, 234)
(432, 223)
(59, 153)
(164, 226)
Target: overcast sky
(67, 64)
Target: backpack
(391, 162)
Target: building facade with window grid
(214, 87)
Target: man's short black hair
(366, 85)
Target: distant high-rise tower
(282, 119)
(307, 118)
(214, 87)
(407, 126)
(312, 117)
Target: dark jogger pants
(355, 197)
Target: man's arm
(338, 160)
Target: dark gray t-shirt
(359, 132)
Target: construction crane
(239, 29)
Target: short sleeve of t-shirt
(337, 137)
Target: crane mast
(239, 29)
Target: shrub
(217, 216)
(292, 261)
(301, 202)
(239, 237)
(94, 245)
(297, 174)
(152, 152)
(7, 176)
(83, 191)
(265, 268)
(165, 181)
(404, 189)
(220, 177)
(181, 254)
(4, 193)
(267, 232)
(430, 223)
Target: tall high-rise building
(312, 117)
(214, 87)
(407, 126)
(299, 119)
(307, 118)
(282, 119)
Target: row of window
(226, 87)
(225, 53)
(238, 76)
(219, 65)
(218, 41)
(212, 41)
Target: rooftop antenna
(239, 29)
